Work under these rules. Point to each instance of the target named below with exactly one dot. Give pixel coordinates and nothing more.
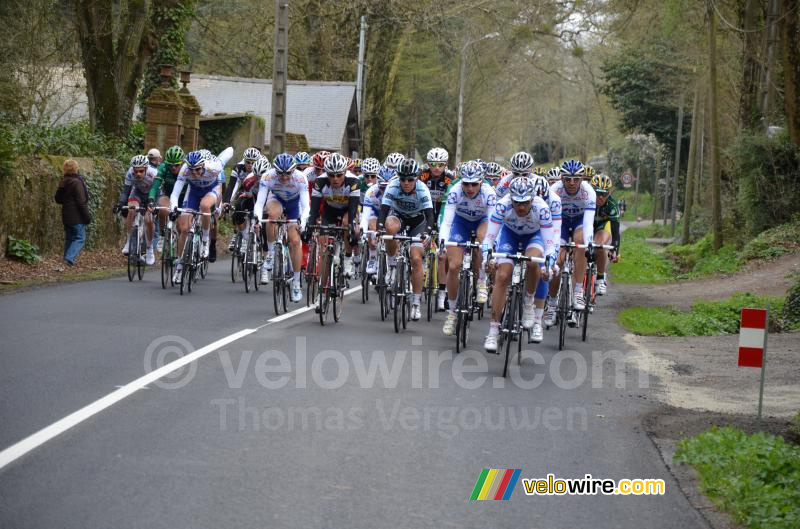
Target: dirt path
(762, 277)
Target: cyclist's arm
(158, 181)
(126, 188)
(305, 208)
(231, 188)
(261, 199)
(615, 235)
(366, 215)
(316, 200)
(385, 209)
(446, 218)
(176, 193)
(588, 215)
(428, 212)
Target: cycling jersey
(208, 181)
(437, 186)
(138, 189)
(372, 205)
(473, 210)
(338, 201)
(165, 180)
(403, 204)
(538, 220)
(238, 174)
(293, 195)
(609, 213)
(577, 210)
(502, 185)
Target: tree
(116, 41)
(713, 136)
(790, 26)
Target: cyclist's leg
(507, 242)
(601, 256)
(579, 256)
(534, 248)
(455, 256)
(274, 212)
(163, 202)
(393, 225)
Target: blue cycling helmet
(521, 189)
(195, 159)
(284, 163)
(471, 172)
(385, 174)
(573, 168)
(302, 158)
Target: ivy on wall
(217, 135)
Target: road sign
(627, 179)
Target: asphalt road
(288, 426)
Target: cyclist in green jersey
(606, 227)
(167, 175)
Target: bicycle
(282, 271)
(382, 279)
(253, 256)
(366, 279)
(237, 255)
(589, 283)
(137, 247)
(168, 252)
(311, 274)
(430, 280)
(192, 255)
(466, 306)
(401, 289)
(511, 319)
(331, 280)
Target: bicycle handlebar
(402, 238)
(519, 257)
(194, 212)
(464, 244)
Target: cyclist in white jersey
(542, 189)
(578, 204)
(136, 190)
(284, 190)
(466, 211)
(371, 210)
(527, 228)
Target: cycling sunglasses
(470, 184)
(337, 175)
(407, 178)
(437, 165)
(573, 178)
(521, 174)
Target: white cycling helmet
(336, 164)
(394, 159)
(437, 154)
(139, 160)
(522, 162)
(370, 166)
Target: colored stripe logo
(495, 484)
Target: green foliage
(217, 135)
(171, 24)
(641, 81)
(769, 172)
(645, 206)
(640, 262)
(774, 242)
(74, 139)
(706, 318)
(790, 315)
(794, 425)
(699, 258)
(22, 250)
(635, 151)
(754, 477)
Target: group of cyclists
(518, 210)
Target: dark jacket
(72, 196)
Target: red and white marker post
(753, 344)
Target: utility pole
(360, 84)
(277, 141)
(678, 138)
(665, 211)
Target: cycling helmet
(153, 153)
(539, 171)
(302, 158)
(522, 162)
(336, 164)
(195, 159)
(261, 166)
(588, 171)
(408, 167)
(251, 155)
(521, 189)
(471, 172)
(437, 155)
(394, 159)
(370, 166)
(493, 169)
(573, 168)
(174, 155)
(601, 184)
(319, 159)
(140, 160)
(554, 173)
(385, 174)
(284, 163)
(540, 186)
(481, 163)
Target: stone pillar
(164, 126)
(191, 115)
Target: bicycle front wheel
(235, 259)
(338, 292)
(133, 252)
(277, 280)
(510, 324)
(564, 303)
(166, 259)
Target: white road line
(19, 449)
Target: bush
(790, 315)
(754, 477)
(22, 250)
(774, 242)
(699, 258)
(640, 262)
(768, 170)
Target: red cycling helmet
(319, 159)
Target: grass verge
(65, 278)
(706, 318)
(641, 262)
(754, 477)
